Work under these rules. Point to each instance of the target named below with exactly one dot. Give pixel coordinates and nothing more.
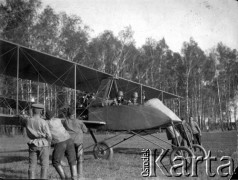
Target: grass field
(126, 162)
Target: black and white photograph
(119, 89)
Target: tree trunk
(219, 98)
(199, 103)
(235, 109)
(187, 103)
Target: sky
(208, 22)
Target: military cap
(38, 106)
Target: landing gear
(101, 150)
(182, 152)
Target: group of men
(119, 100)
(66, 136)
(184, 132)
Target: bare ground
(126, 163)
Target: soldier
(197, 133)
(39, 145)
(119, 100)
(172, 133)
(144, 99)
(63, 111)
(134, 99)
(185, 132)
(76, 128)
(63, 144)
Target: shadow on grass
(8, 173)
(10, 159)
(128, 150)
(120, 150)
(14, 151)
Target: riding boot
(60, 171)
(31, 175)
(73, 170)
(80, 169)
(44, 173)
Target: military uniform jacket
(76, 128)
(170, 133)
(37, 131)
(195, 128)
(59, 133)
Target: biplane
(25, 63)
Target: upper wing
(42, 67)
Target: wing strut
(94, 138)
(17, 103)
(75, 89)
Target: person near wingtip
(173, 135)
(197, 133)
(185, 132)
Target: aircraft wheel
(184, 152)
(199, 150)
(102, 151)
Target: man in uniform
(39, 145)
(63, 145)
(173, 135)
(197, 133)
(144, 99)
(76, 128)
(119, 100)
(185, 132)
(134, 99)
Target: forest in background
(207, 80)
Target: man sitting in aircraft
(134, 99)
(144, 99)
(119, 100)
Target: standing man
(197, 133)
(172, 133)
(186, 132)
(63, 145)
(39, 145)
(76, 128)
